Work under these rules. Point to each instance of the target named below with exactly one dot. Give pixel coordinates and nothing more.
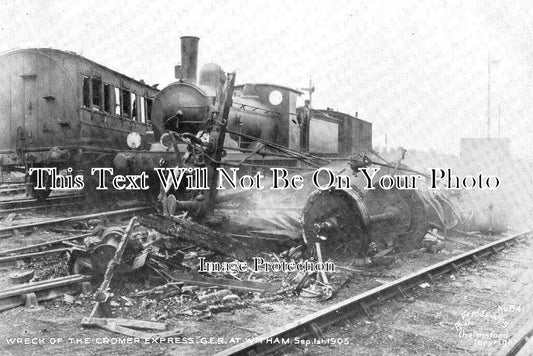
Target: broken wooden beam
(116, 326)
(246, 286)
(102, 295)
(129, 323)
(200, 235)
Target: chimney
(189, 58)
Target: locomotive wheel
(40, 194)
(105, 251)
(339, 221)
(398, 217)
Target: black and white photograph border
(266, 178)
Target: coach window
(142, 109)
(97, 93)
(126, 102)
(107, 98)
(117, 101)
(133, 106)
(149, 110)
(86, 92)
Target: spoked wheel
(40, 194)
(339, 221)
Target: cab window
(126, 103)
(142, 109)
(97, 93)
(117, 101)
(133, 101)
(149, 110)
(86, 92)
(107, 98)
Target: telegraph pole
(488, 97)
(310, 89)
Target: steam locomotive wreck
(205, 128)
(225, 168)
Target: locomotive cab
(264, 111)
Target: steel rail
(8, 183)
(75, 218)
(11, 190)
(313, 324)
(36, 254)
(12, 204)
(37, 207)
(44, 290)
(12, 185)
(518, 342)
(45, 244)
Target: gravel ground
(57, 322)
(474, 312)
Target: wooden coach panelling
(41, 100)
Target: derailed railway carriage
(59, 109)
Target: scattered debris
(68, 298)
(21, 277)
(9, 219)
(248, 286)
(136, 324)
(200, 235)
(125, 327)
(216, 296)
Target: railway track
(12, 189)
(33, 203)
(313, 325)
(26, 248)
(521, 343)
(48, 205)
(31, 293)
(6, 184)
(51, 222)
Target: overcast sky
(416, 69)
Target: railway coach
(59, 109)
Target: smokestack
(189, 58)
